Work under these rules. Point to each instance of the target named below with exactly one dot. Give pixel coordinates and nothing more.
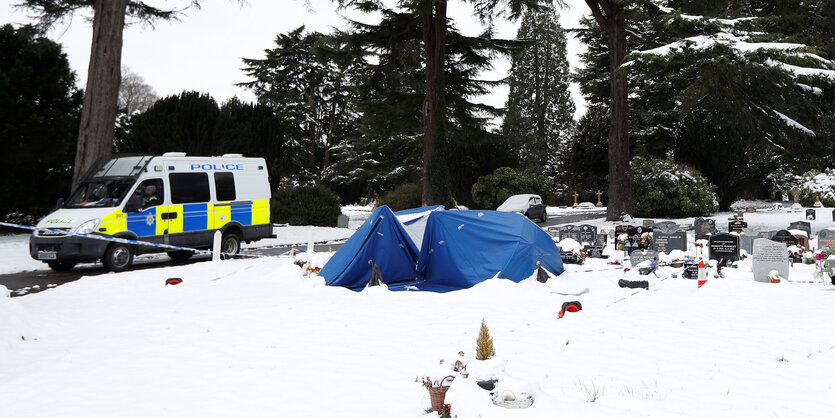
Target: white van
(171, 199)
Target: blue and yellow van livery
(172, 199)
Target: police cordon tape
(59, 233)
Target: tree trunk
(434, 33)
(609, 15)
(98, 114)
(620, 190)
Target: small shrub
(484, 344)
(491, 190)
(818, 184)
(306, 205)
(662, 188)
(406, 196)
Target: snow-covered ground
(258, 338)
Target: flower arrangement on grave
(645, 240)
(622, 241)
(796, 251)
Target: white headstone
(769, 255)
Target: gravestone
(664, 242)
(803, 226)
(769, 255)
(570, 231)
(704, 227)
(588, 234)
(751, 209)
(766, 234)
(833, 215)
(785, 237)
(810, 214)
(723, 247)
(826, 237)
(802, 240)
(746, 243)
(635, 234)
(341, 221)
(637, 257)
(691, 271)
(622, 229)
(737, 226)
(648, 222)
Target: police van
(171, 199)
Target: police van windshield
(99, 194)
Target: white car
(529, 205)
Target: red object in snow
(702, 282)
(293, 250)
(173, 281)
(574, 306)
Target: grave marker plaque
(588, 233)
(785, 237)
(826, 237)
(769, 255)
(803, 226)
(638, 256)
(664, 242)
(737, 226)
(691, 271)
(723, 247)
(810, 214)
(704, 227)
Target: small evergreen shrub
(484, 344)
(306, 205)
(492, 190)
(818, 184)
(662, 188)
(406, 196)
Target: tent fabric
(463, 248)
(414, 220)
(381, 238)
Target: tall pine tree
(539, 107)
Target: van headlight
(88, 227)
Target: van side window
(224, 186)
(189, 187)
(152, 192)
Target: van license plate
(47, 255)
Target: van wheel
(61, 265)
(230, 245)
(118, 257)
(544, 216)
(180, 255)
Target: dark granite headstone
(664, 242)
(737, 226)
(691, 271)
(826, 237)
(833, 215)
(637, 257)
(723, 247)
(803, 226)
(570, 231)
(635, 235)
(704, 227)
(588, 233)
(594, 251)
(810, 214)
(769, 255)
(600, 240)
(785, 237)
(621, 229)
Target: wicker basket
(437, 394)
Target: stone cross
(575, 198)
(599, 203)
(795, 194)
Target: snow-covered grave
(265, 337)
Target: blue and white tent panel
(414, 220)
(381, 238)
(463, 248)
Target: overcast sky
(203, 50)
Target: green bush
(491, 190)
(662, 188)
(818, 184)
(306, 205)
(406, 196)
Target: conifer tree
(484, 344)
(539, 106)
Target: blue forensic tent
(381, 238)
(463, 248)
(414, 220)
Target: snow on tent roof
(380, 238)
(414, 220)
(463, 248)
